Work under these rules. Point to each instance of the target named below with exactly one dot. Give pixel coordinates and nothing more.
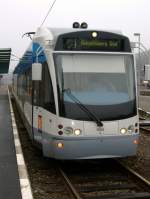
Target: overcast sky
(20, 16)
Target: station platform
(9, 177)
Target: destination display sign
(91, 44)
(93, 41)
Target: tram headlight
(60, 145)
(68, 130)
(131, 129)
(123, 131)
(94, 34)
(77, 132)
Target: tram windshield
(104, 83)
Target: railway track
(103, 179)
(144, 121)
(145, 129)
(144, 115)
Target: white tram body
(76, 90)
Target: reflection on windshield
(99, 82)
(93, 89)
(83, 107)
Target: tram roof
(58, 31)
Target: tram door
(43, 103)
(37, 112)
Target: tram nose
(108, 128)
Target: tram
(76, 91)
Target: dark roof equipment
(5, 54)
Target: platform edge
(25, 184)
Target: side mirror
(36, 72)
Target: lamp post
(139, 41)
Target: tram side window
(29, 84)
(20, 87)
(48, 94)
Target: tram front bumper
(90, 148)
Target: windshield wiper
(83, 107)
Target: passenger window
(48, 94)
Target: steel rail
(146, 131)
(146, 112)
(73, 190)
(144, 119)
(139, 178)
(144, 128)
(144, 180)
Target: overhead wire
(50, 9)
